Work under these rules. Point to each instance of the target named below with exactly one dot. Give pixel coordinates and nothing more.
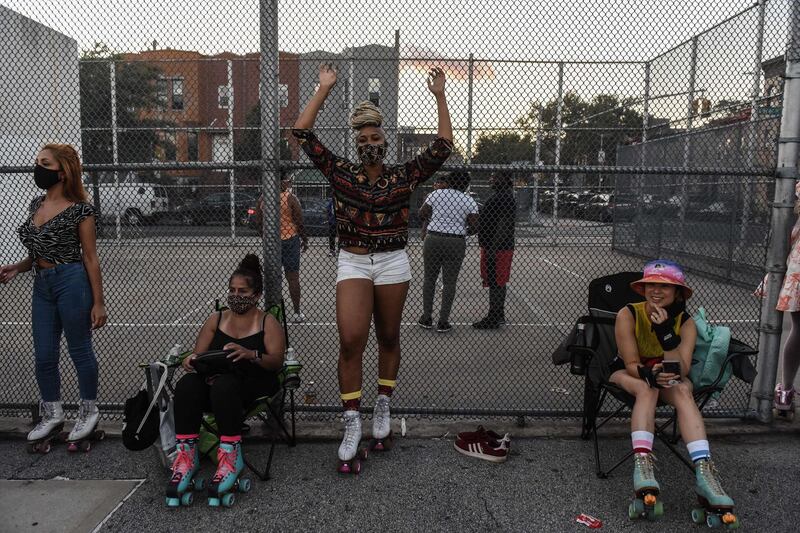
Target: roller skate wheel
(31, 447)
(99, 435)
(85, 446)
(199, 483)
(357, 469)
(363, 454)
(658, 509)
(44, 447)
(187, 498)
(713, 520)
(632, 514)
(244, 485)
(213, 502)
(172, 502)
(228, 499)
(698, 516)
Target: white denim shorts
(382, 268)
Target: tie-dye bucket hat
(663, 271)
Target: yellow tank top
(646, 340)
(288, 229)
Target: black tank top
(251, 342)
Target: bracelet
(257, 357)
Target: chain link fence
(630, 130)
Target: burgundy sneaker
(483, 434)
(488, 451)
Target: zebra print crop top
(57, 240)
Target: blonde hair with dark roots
(70, 163)
(366, 114)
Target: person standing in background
(451, 214)
(496, 238)
(293, 241)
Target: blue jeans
(62, 301)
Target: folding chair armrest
(580, 357)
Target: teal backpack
(710, 353)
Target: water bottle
(578, 357)
(174, 355)
(291, 368)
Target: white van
(135, 203)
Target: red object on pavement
(589, 521)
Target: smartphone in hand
(672, 367)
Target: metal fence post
(469, 107)
(642, 157)
(231, 176)
(559, 120)
(533, 217)
(786, 174)
(755, 92)
(114, 145)
(270, 182)
(687, 147)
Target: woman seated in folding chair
(256, 343)
(656, 339)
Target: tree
(582, 127)
(138, 140)
(503, 148)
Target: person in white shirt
(451, 215)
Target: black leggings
(227, 397)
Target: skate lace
(226, 463)
(646, 464)
(710, 474)
(183, 463)
(83, 414)
(350, 431)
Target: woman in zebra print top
(60, 236)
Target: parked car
(215, 208)
(315, 215)
(600, 207)
(136, 203)
(583, 200)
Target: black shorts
(616, 364)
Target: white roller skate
(349, 462)
(85, 431)
(381, 428)
(48, 428)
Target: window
(177, 93)
(170, 152)
(283, 95)
(192, 152)
(374, 90)
(223, 96)
(161, 93)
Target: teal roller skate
(645, 504)
(226, 480)
(717, 507)
(183, 482)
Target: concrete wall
(40, 88)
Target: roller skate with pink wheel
(382, 439)
(48, 429)
(783, 403)
(349, 460)
(85, 431)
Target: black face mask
(44, 177)
(241, 304)
(371, 154)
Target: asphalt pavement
(424, 484)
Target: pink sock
(227, 439)
(193, 436)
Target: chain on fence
(626, 131)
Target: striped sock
(642, 441)
(698, 449)
(351, 400)
(386, 386)
(230, 439)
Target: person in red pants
(496, 239)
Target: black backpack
(140, 425)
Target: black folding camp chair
(593, 347)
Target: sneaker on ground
(423, 323)
(488, 451)
(298, 318)
(442, 327)
(483, 434)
